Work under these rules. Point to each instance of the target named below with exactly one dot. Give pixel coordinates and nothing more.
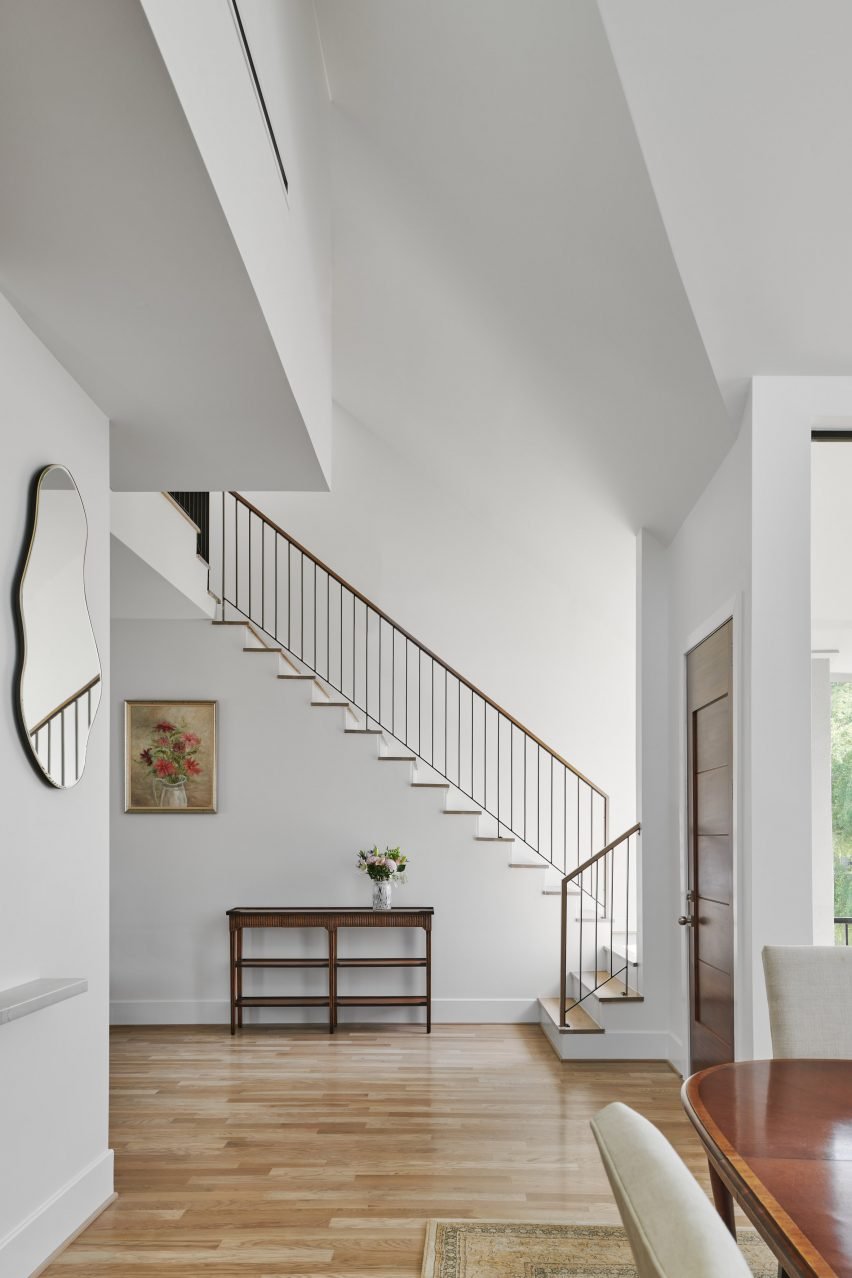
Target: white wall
(55, 1166)
(284, 240)
(533, 601)
(298, 798)
(687, 590)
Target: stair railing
(400, 686)
(605, 888)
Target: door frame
(732, 610)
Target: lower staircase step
(609, 989)
(578, 1020)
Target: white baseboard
(28, 1247)
(214, 1011)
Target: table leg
(239, 977)
(722, 1199)
(428, 980)
(233, 939)
(332, 979)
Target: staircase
(439, 732)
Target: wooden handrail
(628, 834)
(63, 705)
(368, 603)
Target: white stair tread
(431, 785)
(578, 1020)
(462, 811)
(295, 675)
(335, 704)
(609, 989)
(528, 865)
(397, 758)
(495, 838)
(370, 731)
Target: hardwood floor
(287, 1152)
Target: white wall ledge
(32, 996)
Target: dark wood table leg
(239, 977)
(722, 1199)
(233, 939)
(428, 980)
(332, 979)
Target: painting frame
(192, 734)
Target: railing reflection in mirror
(841, 929)
(396, 683)
(59, 739)
(600, 942)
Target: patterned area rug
(501, 1249)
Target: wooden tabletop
(779, 1134)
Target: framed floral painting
(170, 756)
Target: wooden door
(710, 900)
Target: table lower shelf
(382, 1000)
(271, 1000)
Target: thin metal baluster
(406, 688)
(611, 877)
(578, 820)
(249, 567)
(340, 619)
(446, 769)
(367, 662)
(263, 576)
(591, 822)
(471, 743)
(328, 626)
(393, 640)
(597, 911)
(627, 907)
(77, 740)
(289, 596)
(485, 757)
(236, 554)
(564, 820)
(302, 606)
(498, 772)
(525, 787)
(551, 809)
(223, 554)
(538, 797)
(432, 714)
(419, 697)
(62, 741)
(275, 543)
(512, 776)
(315, 616)
(458, 725)
(353, 648)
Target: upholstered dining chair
(673, 1228)
(809, 988)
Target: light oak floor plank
(291, 1152)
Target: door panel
(709, 679)
(715, 867)
(712, 735)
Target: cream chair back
(673, 1228)
(809, 988)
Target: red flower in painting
(145, 756)
(164, 726)
(190, 739)
(165, 768)
(192, 766)
(178, 746)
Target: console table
(332, 918)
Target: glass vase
(381, 895)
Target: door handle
(687, 920)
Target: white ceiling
(504, 291)
(116, 252)
(744, 114)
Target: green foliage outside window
(841, 800)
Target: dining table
(778, 1137)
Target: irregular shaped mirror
(61, 672)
